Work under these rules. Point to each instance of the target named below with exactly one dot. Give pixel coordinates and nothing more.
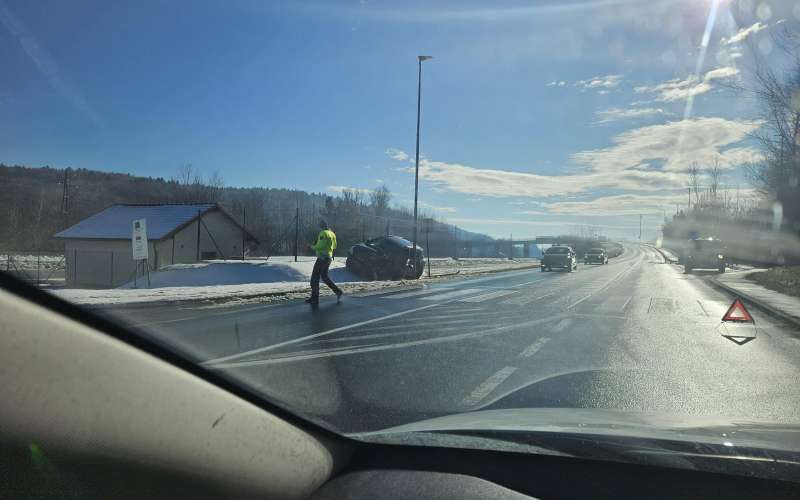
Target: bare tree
(776, 91)
(379, 199)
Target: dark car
(595, 256)
(704, 253)
(559, 257)
(385, 258)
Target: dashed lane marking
(488, 385)
(561, 325)
(534, 348)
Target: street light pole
(416, 161)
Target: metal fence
(41, 268)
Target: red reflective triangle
(737, 312)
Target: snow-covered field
(262, 280)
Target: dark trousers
(321, 271)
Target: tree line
(36, 203)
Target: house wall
(109, 263)
(226, 235)
(101, 263)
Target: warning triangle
(738, 313)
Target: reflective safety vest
(326, 243)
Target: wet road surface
(636, 334)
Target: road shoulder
(775, 303)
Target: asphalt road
(636, 334)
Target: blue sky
(538, 117)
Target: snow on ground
(263, 280)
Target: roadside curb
(667, 259)
(758, 303)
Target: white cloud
(615, 114)
(637, 149)
(531, 223)
(339, 189)
(379, 181)
(625, 204)
(678, 90)
(600, 82)
(629, 204)
(743, 33)
(530, 212)
(640, 159)
(555, 83)
(396, 154)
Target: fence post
(296, 230)
(428, 245)
(199, 215)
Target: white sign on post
(139, 239)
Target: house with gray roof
(98, 250)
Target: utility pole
(65, 193)
(640, 227)
(413, 250)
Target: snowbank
(278, 278)
(238, 272)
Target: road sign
(139, 239)
(737, 313)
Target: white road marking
(626, 303)
(606, 285)
(449, 295)
(534, 348)
(315, 335)
(561, 325)
(521, 300)
(488, 385)
(488, 296)
(527, 283)
(413, 343)
(409, 294)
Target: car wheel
(542, 268)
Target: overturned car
(385, 258)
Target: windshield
(346, 207)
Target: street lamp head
(424, 58)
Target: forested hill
(33, 208)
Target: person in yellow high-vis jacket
(324, 247)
